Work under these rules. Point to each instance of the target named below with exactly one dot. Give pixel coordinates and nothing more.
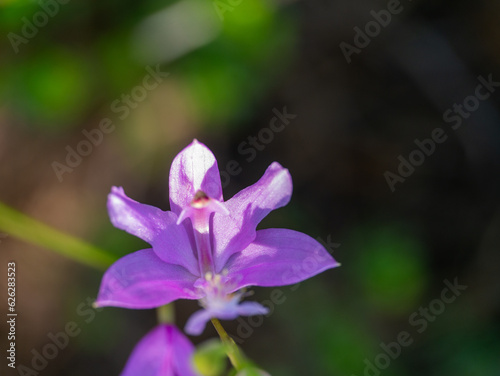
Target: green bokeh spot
(391, 268)
(12, 12)
(250, 25)
(225, 78)
(218, 89)
(53, 89)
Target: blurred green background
(230, 64)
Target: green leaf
(32, 231)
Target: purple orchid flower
(164, 351)
(205, 248)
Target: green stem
(32, 231)
(165, 314)
(233, 352)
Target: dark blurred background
(361, 102)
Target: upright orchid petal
(247, 208)
(164, 351)
(142, 280)
(193, 169)
(278, 257)
(154, 226)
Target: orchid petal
(198, 320)
(154, 226)
(278, 257)
(251, 309)
(193, 169)
(183, 353)
(142, 280)
(235, 232)
(164, 351)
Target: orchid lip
(201, 207)
(200, 200)
(200, 211)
